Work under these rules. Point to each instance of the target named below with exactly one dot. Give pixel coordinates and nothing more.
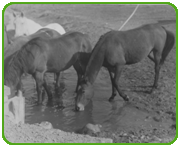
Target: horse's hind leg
(157, 58)
(151, 58)
(39, 85)
(57, 85)
(45, 85)
(114, 92)
(117, 75)
(54, 82)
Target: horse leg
(117, 75)
(54, 79)
(151, 58)
(39, 85)
(157, 58)
(45, 85)
(78, 82)
(114, 92)
(57, 84)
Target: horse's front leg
(114, 92)
(57, 90)
(78, 81)
(57, 81)
(118, 71)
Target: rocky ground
(44, 133)
(96, 20)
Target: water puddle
(112, 116)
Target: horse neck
(32, 27)
(95, 63)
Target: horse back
(47, 33)
(77, 39)
(132, 46)
(35, 55)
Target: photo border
(167, 3)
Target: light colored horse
(25, 26)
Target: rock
(6, 92)
(90, 129)
(17, 114)
(46, 125)
(106, 140)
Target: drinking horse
(18, 42)
(118, 48)
(39, 56)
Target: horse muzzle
(79, 107)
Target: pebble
(91, 128)
(46, 125)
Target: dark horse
(118, 48)
(39, 56)
(16, 43)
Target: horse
(6, 40)
(25, 26)
(115, 49)
(16, 43)
(39, 56)
(80, 66)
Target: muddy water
(112, 116)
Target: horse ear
(14, 14)
(22, 14)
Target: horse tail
(170, 40)
(95, 62)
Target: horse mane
(11, 70)
(18, 63)
(96, 60)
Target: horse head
(84, 95)
(20, 24)
(12, 74)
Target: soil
(147, 117)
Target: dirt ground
(38, 133)
(95, 20)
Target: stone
(90, 129)
(17, 115)
(46, 125)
